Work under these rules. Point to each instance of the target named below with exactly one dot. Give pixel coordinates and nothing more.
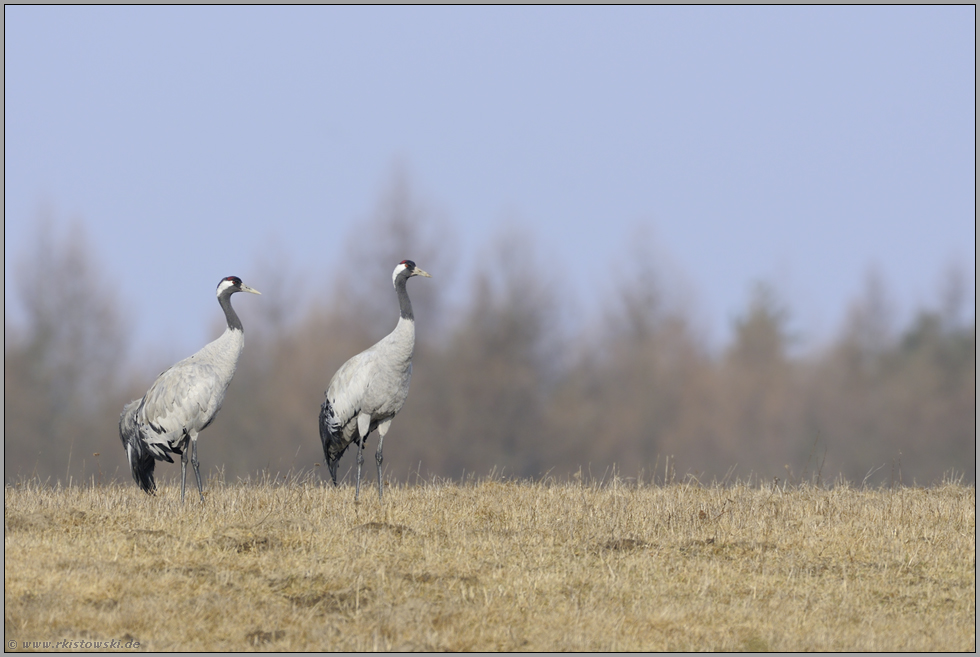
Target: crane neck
(404, 303)
(234, 323)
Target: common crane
(183, 401)
(370, 388)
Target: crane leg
(183, 473)
(379, 459)
(363, 429)
(382, 430)
(197, 469)
(360, 462)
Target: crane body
(369, 389)
(183, 401)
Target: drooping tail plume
(141, 461)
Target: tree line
(500, 384)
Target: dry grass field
(492, 565)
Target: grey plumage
(370, 388)
(183, 401)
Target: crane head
(409, 267)
(232, 284)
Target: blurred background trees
(501, 383)
(62, 380)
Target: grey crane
(183, 401)
(370, 388)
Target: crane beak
(246, 288)
(419, 272)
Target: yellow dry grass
(493, 565)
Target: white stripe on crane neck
(224, 285)
(398, 269)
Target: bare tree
(760, 387)
(636, 393)
(952, 296)
(62, 371)
(401, 226)
(479, 399)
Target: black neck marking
(234, 323)
(404, 303)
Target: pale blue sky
(798, 145)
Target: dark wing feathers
(332, 437)
(141, 460)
